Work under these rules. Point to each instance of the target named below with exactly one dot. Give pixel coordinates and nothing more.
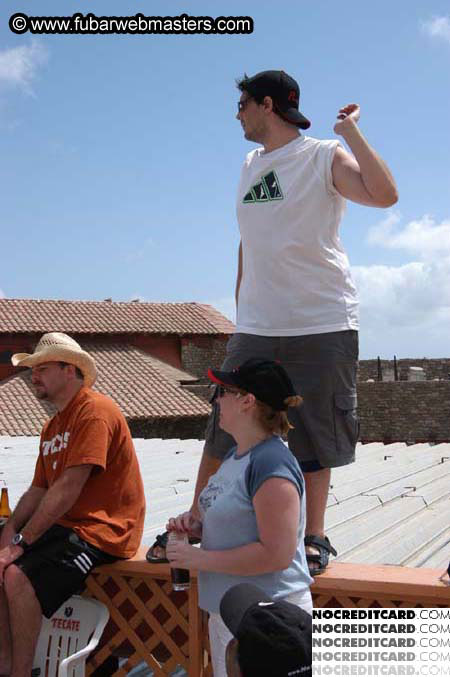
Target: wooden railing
(365, 585)
(151, 623)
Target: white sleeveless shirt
(296, 276)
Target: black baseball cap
(284, 91)
(265, 379)
(274, 637)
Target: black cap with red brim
(265, 379)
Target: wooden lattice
(151, 623)
(345, 602)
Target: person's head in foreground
(60, 367)
(271, 639)
(256, 394)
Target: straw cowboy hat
(57, 347)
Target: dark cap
(284, 92)
(274, 637)
(266, 380)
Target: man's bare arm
(364, 178)
(208, 464)
(54, 503)
(239, 275)
(25, 508)
(57, 501)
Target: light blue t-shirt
(229, 519)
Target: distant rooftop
(110, 317)
(143, 387)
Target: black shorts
(322, 368)
(57, 565)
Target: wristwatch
(19, 540)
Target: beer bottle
(5, 510)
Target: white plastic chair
(69, 636)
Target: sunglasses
(222, 390)
(242, 105)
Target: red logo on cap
(293, 96)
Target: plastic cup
(181, 579)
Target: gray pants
(322, 368)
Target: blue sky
(120, 155)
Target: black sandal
(324, 547)
(161, 542)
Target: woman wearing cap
(253, 508)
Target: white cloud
(406, 309)
(2, 294)
(405, 295)
(438, 27)
(424, 238)
(19, 65)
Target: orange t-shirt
(109, 513)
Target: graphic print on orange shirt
(109, 512)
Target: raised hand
(346, 117)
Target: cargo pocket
(346, 422)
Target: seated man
(270, 638)
(85, 505)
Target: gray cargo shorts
(322, 368)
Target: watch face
(18, 538)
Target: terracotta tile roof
(110, 317)
(143, 387)
(20, 412)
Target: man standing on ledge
(85, 505)
(296, 301)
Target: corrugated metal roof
(390, 507)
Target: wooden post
(195, 639)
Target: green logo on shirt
(266, 190)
